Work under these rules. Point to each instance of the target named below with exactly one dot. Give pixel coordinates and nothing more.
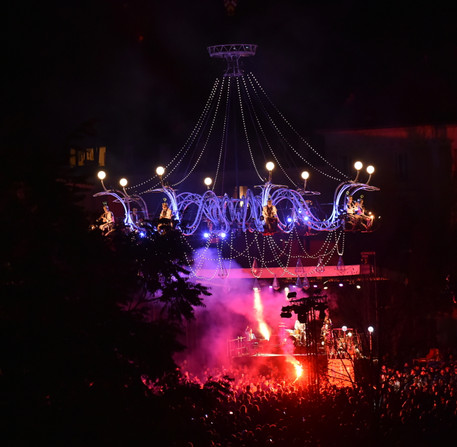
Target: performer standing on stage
(249, 334)
(300, 333)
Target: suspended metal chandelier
(239, 145)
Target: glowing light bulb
(101, 175)
(123, 182)
(160, 170)
(208, 181)
(270, 166)
(370, 169)
(358, 165)
(305, 175)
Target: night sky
(134, 75)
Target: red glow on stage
(298, 367)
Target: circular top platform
(230, 50)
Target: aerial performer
(165, 219)
(270, 216)
(107, 219)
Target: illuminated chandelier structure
(238, 135)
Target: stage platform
(317, 368)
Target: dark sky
(135, 74)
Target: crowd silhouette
(411, 405)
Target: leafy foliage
(76, 320)
(162, 276)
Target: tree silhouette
(77, 324)
(163, 278)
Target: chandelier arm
(185, 200)
(119, 198)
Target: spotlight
(206, 235)
(223, 235)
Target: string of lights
(222, 216)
